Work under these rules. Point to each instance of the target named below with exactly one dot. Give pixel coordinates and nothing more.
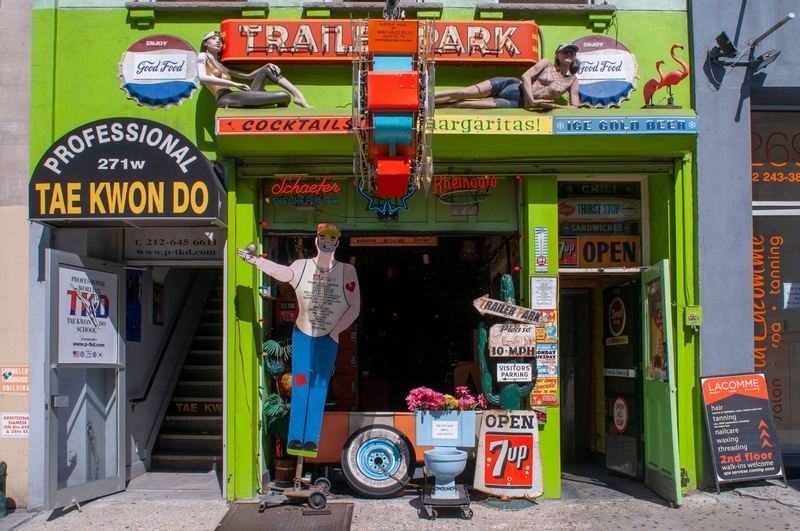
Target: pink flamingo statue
(653, 85)
(675, 76)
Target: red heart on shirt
(350, 286)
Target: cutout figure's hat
(329, 230)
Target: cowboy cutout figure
(328, 301)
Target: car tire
(374, 458)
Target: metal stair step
(191, 436)
(186, 461)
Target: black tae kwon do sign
(741, 429)
(128, 169)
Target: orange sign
(393, 36)
(284, 125)
(258, 41)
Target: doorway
(577, 363)
(600, 345)
(417, 326)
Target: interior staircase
(190, 437)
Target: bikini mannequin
(217, 77)
(539, 86)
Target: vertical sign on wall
(540, 257)
(87, 316)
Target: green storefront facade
(76, 54)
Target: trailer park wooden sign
(485, 305)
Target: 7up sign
(509, 461)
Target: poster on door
(87, 316)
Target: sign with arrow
(741, 429)
(486, 305)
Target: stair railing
(136, 401)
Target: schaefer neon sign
(298, 187)
(331, 41)
(294, 191)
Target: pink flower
(428, 399)
(425, 398)
(482, 402)
(466, 403)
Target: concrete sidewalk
(152, 502)
(591, 499)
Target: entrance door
(575, 374)
(85, 413)
(623, 379)
(660, 409)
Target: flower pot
(445, 428)
(285, 469)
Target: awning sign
(125, 172)
(260, 41)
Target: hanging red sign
(253, 41)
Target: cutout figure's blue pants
(312, 364)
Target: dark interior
(417, 319)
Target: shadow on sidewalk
(594, 481)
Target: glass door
(85, 413)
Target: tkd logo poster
(87, 316)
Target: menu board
(740, 428)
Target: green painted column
(540, 200)
(242, 405)
(43, 84)
(687, 351)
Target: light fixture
(725, 49)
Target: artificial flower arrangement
(423, 398)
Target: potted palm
(276, 428)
